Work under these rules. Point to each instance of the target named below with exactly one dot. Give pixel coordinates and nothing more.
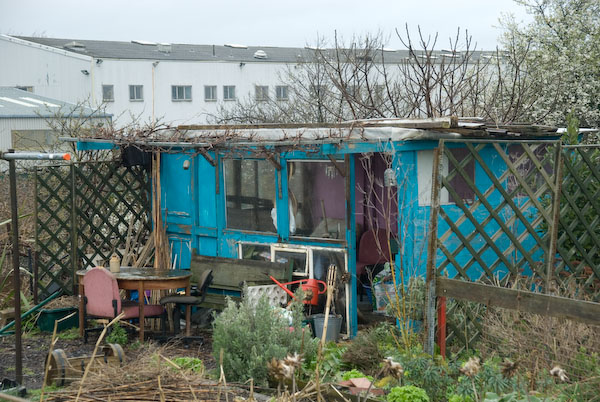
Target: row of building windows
(184, 93)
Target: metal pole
(11, 156)
(16, 270)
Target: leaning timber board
(230, 273)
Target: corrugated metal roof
(16, 103)
(187, 52)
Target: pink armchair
(102, 300)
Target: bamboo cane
(331, 276)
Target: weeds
(117, 335)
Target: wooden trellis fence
(522, 219)
(83, 211)
(579, 231)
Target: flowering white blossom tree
(562, 60)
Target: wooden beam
(520, 300)
(338, 167)
(207, 156)
(272, 159)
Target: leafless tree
(359, 80)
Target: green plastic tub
(47, 317)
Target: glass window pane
(323, 258)
(259, 252)
(295, 259)
(250, 192)
(188, 92)
(318, 198)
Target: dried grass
(538, 343)
(63, 302)
(147, 376)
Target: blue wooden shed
(311, 195)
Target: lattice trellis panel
(53, 235)
(494, 220)
(579, 229)
(109, 199)
(83, 211)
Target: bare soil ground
(35, 349)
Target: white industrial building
(154, 82)
(29, 121)
(170, 83)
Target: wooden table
(142, 279)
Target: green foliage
(364, 352)
(29, 326)
(331, 363)
(69, 334)
(435, 376)
(513, 397)
(488, 379)
(251, 335)
(407, 393)
(459, 398)
(354, 373)
(5, 284)
(190, 363)
(34, 394)
(117, 335)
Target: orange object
(308, 285)
(67, 157)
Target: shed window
(317, 199)
(458, 183)
(250, 194)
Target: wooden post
(558, 166)
(432, 250)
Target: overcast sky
(253, 22)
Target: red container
(308, 285)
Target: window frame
(212, 90)
(261, 93)
(112, 90)
(227, 222)
(285, 90)
(226, 92)
(183, 88)
(135, 97)
(341, 239)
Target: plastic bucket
(334, 326)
